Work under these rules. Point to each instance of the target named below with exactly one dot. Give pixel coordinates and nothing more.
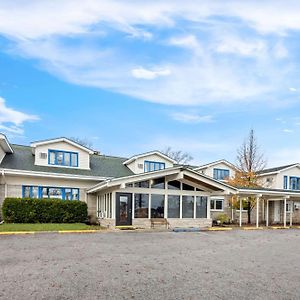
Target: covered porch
(178, 195)
(272, 207)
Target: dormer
(4, 147)
(61, 152)
(219, 170)
(148, 162)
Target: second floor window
(221, 174)
(294, 183)
(153, 166)
(63, 158)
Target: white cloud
(293, 89)
(12, 120)
(143, 73)
(288, 130)
(191, 118)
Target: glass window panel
(35, 192)
(55, 193)
(220, 174)
(174, 185)
(67, 159)
(75, 194)
(219, 204)
(212, 204)
(74, 157)
(141, 205)
(162, 166)
(45, 193)
(201, 207)
(173, 206)
(146, 166)
(187, 187)
(187, 206)
(26, 191)
(142, 184)
(157, 206)
(68, 194)
(158, 183)
(52, 157)
(59, 158)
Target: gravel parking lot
(152, 265)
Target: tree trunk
(249, 212)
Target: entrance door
(276, 211)
(123, 209)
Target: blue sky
(133, 76)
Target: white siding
(83, 156)
(137, 166)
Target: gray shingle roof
(101, 165)
(276, 169)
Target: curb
(39, 232)
(219, 229)
(77, 231)
(252, 228)
(17, 232)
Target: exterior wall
(137, 166)
(226, 208)
(190, 223)
(209, 171)
(92, 206)
(83, 156)
(2, 197)
(2, 154)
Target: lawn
(47, 227)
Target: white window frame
(215, 200)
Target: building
(137, 191)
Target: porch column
(284, 213)
(257, 211)
(208, 207)
(241, 207)
(291, 213)
(267, 214)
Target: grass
(46, 227)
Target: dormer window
(221, 174)
(63, 158)
(153, 166)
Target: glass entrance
(123, 209)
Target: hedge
(26, 210)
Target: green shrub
(26, 210)
(222, 219)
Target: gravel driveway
(152, 265)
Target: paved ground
(143, 265)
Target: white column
(267, 212)
(241, 207)
(257, 211)
(284, 213)
(180, 207)
(166, 206)
(133, 207)
(208, 207)
(195, 207)
(149, 210)
(291, 213)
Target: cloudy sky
(133, 76)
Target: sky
(135, 76)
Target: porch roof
(268, 192)
(174, 173)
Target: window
(142, 184)
(289, 207)
(141, 205)
(153, 166)
(285, 182)
(294, 183)
(63, 158)
(157, 206)
(158, 183)
(221, 174)
(216, 204)
(173, 206)
(188, 206)
(201, 207)
(187, 187)
(50, 192)
(174, 185)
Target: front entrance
(276, 211)
(123, 209)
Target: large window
(173, 206)
(142, 184)
(141, 205)
(294, 183)
(221, 174)
(216, 204)
(158, 183)
(188, 206)
(201, 207)
(63, 158)
(157, 206)
(153, 166)
(50, 192)
(174, 185)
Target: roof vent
(43, 155)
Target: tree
(250, 161)
(179, 156)
(82, 141)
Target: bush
(222, 219)
(26, 210)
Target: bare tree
(250, 161)
(82, 141)
(179, 156)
